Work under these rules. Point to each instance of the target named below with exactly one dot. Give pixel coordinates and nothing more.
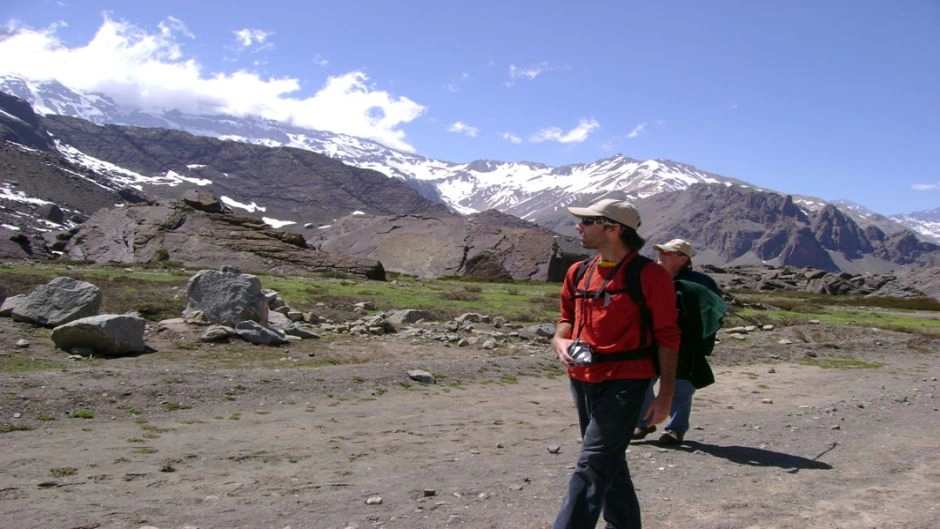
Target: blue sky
(838, 99)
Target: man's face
(593, 231)
(672, 261)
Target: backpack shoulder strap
(578, 275)
(634, 287)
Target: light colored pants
(681, 406)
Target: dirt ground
(171, 440)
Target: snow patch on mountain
(926, 223)
(523, 189)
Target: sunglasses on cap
(587, 221)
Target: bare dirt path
(778, 444)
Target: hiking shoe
(641, 432)
(670, 438)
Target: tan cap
(676, 245)
(615, 210)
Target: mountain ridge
(524, 189)
(730, 222)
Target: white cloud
(576, 135)
(151, 69)
(531, 72)
(454, 86)
(462, 128)
(639, 129)
(319, 60)
(512, 138)
(249, 37)
(925, 187)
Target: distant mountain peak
(527, 190)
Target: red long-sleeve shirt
(616, 326)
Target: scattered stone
(107, 334)
(21, 343)
(420, 375)
(256, 333)
(59, 301)
(554, 449)
(767, 401)
(226, 297)
(363, 306)
(811, 354)
(374, 500)
(814, 322)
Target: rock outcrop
(488, 245)
(174, 231)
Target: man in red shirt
(599, 315)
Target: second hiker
(701, 311)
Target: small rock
(767, 401)
(420, 375)
(21, 343)
(554, 449)
(811, 354)
(374, 500)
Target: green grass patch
(20, 363)
(82, 414)
(62, 472)
(7, 428)
(912, 315)
(840, 363)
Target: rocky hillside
(62, 169)
(734, 225)
(283, 184)
(198, 232)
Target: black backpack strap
(579, 274)
(635, 290)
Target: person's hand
(560, 346)
(659, 409)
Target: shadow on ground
(746, 455)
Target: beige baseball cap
(676, 245)
(615, 210)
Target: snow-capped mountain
(925, 222)
(529, 191)
(518, 188)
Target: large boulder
(226, 297)
(57, 302)
(105, 334)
